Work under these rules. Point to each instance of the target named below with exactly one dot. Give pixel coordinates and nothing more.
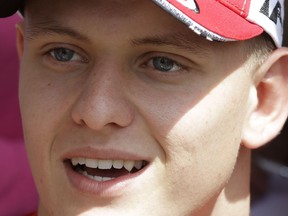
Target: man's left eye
(164, 64)
(65, 55)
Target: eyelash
(66, 51)
(177, 64)
(171, 65)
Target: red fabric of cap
(223, 17)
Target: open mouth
(105, 170)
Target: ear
(269, 97)
(20, 39)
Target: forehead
(90, 8)
(112, 13)
(138, 20)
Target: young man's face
(123, 82)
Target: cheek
(36, 119)
(45, 99)
(38, 108)
(198, 153)
(44, 105)
(44, 108)
(201, 144)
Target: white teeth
(98, 178)
(107, 178)
(74, 161)
(87, 175)
(129, 165)
(138, 164)
(104, 165)
(81, 161)
(91, 163)
(107, 164)
(118, 164)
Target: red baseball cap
(220, 20)
(229, 20)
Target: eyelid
(182, 61)
(47, 49)
(178, 66)
(63, 67)
(75, 58)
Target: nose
(103, 102)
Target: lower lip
(111, 188)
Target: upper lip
(103, 154)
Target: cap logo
(190, 4)
(275, 14)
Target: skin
(193, 124)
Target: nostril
(82, 122)
(98, 107)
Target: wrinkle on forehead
(52, 27)
(103, 8)
(75, 12)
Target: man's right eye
(65, 55)
(165, 64)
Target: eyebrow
(178, 41)
(51, 27)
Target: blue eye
(165, 64)
(64, 55)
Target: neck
(234, 199)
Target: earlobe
(20, 39)
(270, 98)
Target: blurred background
(17, 191)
